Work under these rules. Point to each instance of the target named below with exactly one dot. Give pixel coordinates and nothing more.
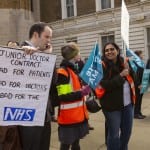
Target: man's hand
(30, 50)
(48, 49)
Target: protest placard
(24, 86)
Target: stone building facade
(82, 21)
(16, 16)
(88, 21)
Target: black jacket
(113, 83)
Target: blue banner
(135, 58)
(133, 65)
(92, 71)
(145, 80)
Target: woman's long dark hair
(111, 67)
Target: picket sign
(24, 86)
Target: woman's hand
(124, 72)
(126, 65)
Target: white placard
(24, 86)
(125, 24)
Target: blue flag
(135, 58)
(145, 80)
(92, 71)
(133, 65)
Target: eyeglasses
(109, 49)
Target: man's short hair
(37, 27)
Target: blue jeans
(119, 124)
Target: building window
(148, 41)
(107, 38)
(68, 8)
(104, 4)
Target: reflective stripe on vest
(71, 112)
(72, 105)
(64, 89)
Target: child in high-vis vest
(72, 114)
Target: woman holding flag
(119, 98)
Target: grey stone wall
(16, 19)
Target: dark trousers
(119, 124)
(52, 111)
(1, 147)
(36, 137)
(138, 104)
(106, 132)
(74, 146)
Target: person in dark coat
(148, 64)
(139, 74)
(38, 137)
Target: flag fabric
(135, 58)
(145, 80)
(92, 71)
(133, 65)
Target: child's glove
(86, 90)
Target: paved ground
(140, 139)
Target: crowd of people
(120, 104)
